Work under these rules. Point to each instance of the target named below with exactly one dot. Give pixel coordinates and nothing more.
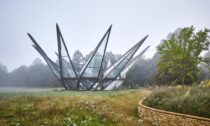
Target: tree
(78, 60)
(20, 76)
(180, 56)
(36, 75)
(4, 78)
(142, 73)
(40, 75)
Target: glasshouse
(96, 73)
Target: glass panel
(71, 84)
(118, 65)
(115, 84)
(106, 83)
(67, 67)
(114, 70)
(132, 62)
(87, 83)
(92, 68)
(109, 63)
(117, 69)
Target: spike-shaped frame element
(91, 71)
(125, 70)
(114, 70)
(53, 66)
(67, 70)
(94, 75)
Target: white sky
(84, 22)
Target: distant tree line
(142, 73)
(38, 74)
(178, 61)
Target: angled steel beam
(54, 68)
(129, 65)
(132, 62)
(130, 53)
(106, 38)
(119, 63)
(94, 75)
(60, 43)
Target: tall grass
(71, 108)
(194, 100)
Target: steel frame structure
(94, 75)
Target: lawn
(71, 108)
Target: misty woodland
(107, 63)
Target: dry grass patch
(66, 108)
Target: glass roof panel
(66, 65)
(92, 67)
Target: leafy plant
(180, 56)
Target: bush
(193, 100)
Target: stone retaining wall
(166, 118)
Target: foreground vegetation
(69, 108)
(193, 100)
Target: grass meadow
(71, 108)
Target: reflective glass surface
(92, 67)
(118, 68)
(66, 65)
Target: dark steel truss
(93, 76)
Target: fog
(23, 89)
(38, 77)
(82, 24)
(85, 22)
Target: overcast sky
(83, 23)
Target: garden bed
(194, 100)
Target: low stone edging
(166, 118)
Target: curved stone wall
(166, 118)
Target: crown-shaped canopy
(94, 75)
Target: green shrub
(194, 100)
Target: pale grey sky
(83, 23)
